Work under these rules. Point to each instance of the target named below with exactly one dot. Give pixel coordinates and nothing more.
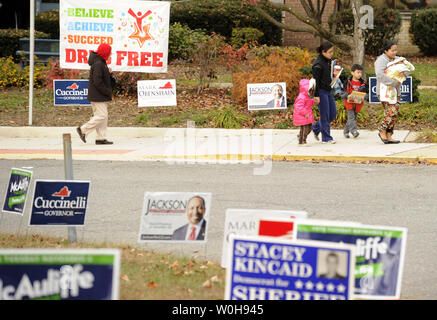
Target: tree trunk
(358, 49)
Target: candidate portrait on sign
(278, 98)
(196, 227)
(331, 264)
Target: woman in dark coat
(99, 93)
(322, 73)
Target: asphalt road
(391, 195)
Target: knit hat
(104, 51)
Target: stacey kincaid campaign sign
(379, 252)
(59, 274)
(175, 216)
(59, 203)
(70, 93)
(266, 96)
(246, 222)
(137, 31)
(16, 192)
(156, 93)
(265, 268)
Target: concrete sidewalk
(209, 145)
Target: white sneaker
(329, 142)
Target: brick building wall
(405, 45)
(302, 39)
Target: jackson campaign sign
(70, 93)
(379, 252)
(265, 268)
(156, 93)
(16, 192)
(59, 274)
(59, 203)
(406, 90)
(175, 216)
(246, 222)
(265, 96)
(136, 30)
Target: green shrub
(182, 41)
(10, 41)
(387, 24)
(240, 36)
(142, 119)
(126, 84)
(11, 75)
(341, 119)
(227, 117)
(221, 16)
(283, 125)
(169, 121)
(423, 111)
(424, 29)
(199, 119)
(48, 22)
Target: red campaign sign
(276, 228)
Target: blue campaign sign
(406, 90)
(16, 192)
(265, 268)
(59, 203)
(59, 274)
(70, 93)
(379, 251)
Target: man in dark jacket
(99, 93)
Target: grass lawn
(426, 73)
(145, 274)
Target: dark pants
(305, 130)
(328, 113)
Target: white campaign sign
(156, 93)
(267, 96)
(245, 222)
(136, 30)
(175, 216)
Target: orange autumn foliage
(276, 67)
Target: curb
(239, 158)
(363, 159)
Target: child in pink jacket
(303, 111)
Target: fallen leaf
(215, 279)
(209, 263)
(125, 277)
(140, 254)
(174, 265)
(207, 284)
(151, 284)
(203, 267)
(178, 273)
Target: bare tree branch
(280, 24)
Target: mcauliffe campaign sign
(136, 30)
(59, 274)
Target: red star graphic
(142, 38)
